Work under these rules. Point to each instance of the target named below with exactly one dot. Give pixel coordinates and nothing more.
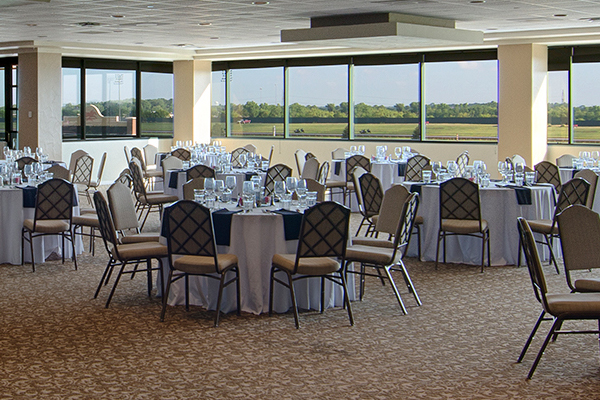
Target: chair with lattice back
(150, 175)
(200, 171)
(235, 157)
(323, 173)
(414, 166)
(52, 216)
(182, 154)
(320, 253)
(592, 178)
(82, 174)
(386, 255)
(278, 172)
(25, 160)
(572, 192)
(546, 172)
(462, 161)
(460, 214)
(351, 163)
(193, 252)
(370, 201)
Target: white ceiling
(238, 29)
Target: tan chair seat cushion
(47, 226)
(135, 251)
(161, 198)
(153, 173)
(86, 220)
(369, 241)
(419, 220)
(307, 266)
(336, 184)
(140, 238)
(204, 264)
(543, 226)
(370, 254)
(574, 304)
(587, 285)
(83, 211)
(463, 226)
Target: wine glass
(452, 167)
(209, 184)
(398, 152)
(519, 168)
(279, 189)
(301, 190)
(230, 183)
(39, 152)
(291, 183)
(361, 149)
(6, 151)
(595, 157)
(219, 187)
(28, 171)
(436, 167)
(242, 159)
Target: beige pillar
(40, 101)
(523, 108)
(192, 100)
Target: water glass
(210, 200)
(519, 178)
(199, 196)
(311, 199)
(485, 180)
(529, 178)
(286, 201)
(248, 201)
(265, 165)
(186, 164)
(426, 176)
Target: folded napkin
(575, 171)
(336, 167)
(401, 169)
(249, 175)
(222, 225)
(291, 223)
(523, 194)
(29, 193)
(174, 178)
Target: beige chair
(183, 154)
(124, 216)
(369, 195)
(124, 254)
(314, 186)
(592, 178)
(573, 192)
(579, 229)
(414, 168)
(170, 163)
(311, 169)
(82, 175)
(347, 186)
(323, 173)
(250, 147)
(385, 255)
(566, 160)
(558, 307)
(147, 201)
(200, 171)
(60, 172)
(150, 174)
(52, 216)
(517, 159)
(462, 161)
(190, 186)
(125, 178)
(74, 156)
(460, 214)
(546, 172)
(320, 253)
(150, 152)
(339, 153)
(300, 157)
(126, 150)
(98, 181)
(193, 252)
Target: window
(257, 102)
(461, 100)
(318, 101)
(386, 101)
(218, 103)
(156, 116)
(71, 103)
(586, 103)
(558, 106)
(2, 103)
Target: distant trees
(152, 109)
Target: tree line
(151, 108)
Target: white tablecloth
(255, 238)
(12, 215)
(499, 207)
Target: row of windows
(104, 99)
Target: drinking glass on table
(291, 183)
(6, 151)
(279, 189)
(353, 150)
(219, 186)
(231, 184)
(242, 159)
(209, 184)
(452, 167)
(361, 149)
(436, 167)
(28, 171)
(398, 152)
(301, 190)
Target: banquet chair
(387, 255)
(124, 216)
(94, 184)
(414, 166)
(87, 220)
(462, 161)
(277, 172)
(556, 307)
(150, 174)
(182, 154)
(124, 254)
(193, 252)
(170, 163)
(387, 220)
(460, 214)
(52, 216)
(339, 154)
(309, 155)
(150, 152)
(127, 158)
(74, 156)
(82, 175)
(189, 186)
(125, 178)
(60, 172)
(347, 186)
(250, 147)
(235, 157)
(300, 157)
(369, 201)
(320, 253)
(311, 169)
(25, 160)
(592, 178)
(517, 159)
(323, 173)
(566, 160)
(315, 186)
(546, 172)
(573, 192)
(200, 171)
(146, 200)
(579, 229)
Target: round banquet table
(240, 174)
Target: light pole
(119, 81)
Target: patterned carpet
(59, 343)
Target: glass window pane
(318, 101)
(156, 105)
(2, 105)
(110, 103)
(71, 103)
(257, 102)
(462, 100)
(586, 103)
(558, 107)
(218, 128)
(386, 101)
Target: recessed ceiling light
(260, 3)
(204, 23)
(117, 16)
(477, 1)
(560, 15)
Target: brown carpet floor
(57, 342)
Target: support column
(193, 81)
(523, 108)
(40, 101)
